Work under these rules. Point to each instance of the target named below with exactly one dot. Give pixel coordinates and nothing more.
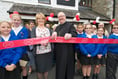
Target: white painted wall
(4, 7)
(53, 3)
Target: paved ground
(52, 74)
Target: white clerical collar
(17, 29)
(62, 23)
(6, 38)
(115, 34)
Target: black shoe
(78, 72)
(84, 77)
(97, 77)
(87, 77)
(94, 76)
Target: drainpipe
(114, 4)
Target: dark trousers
(111, 65)
(15, 74)
(65, 67)
(2, 75)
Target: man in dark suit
(65, 55)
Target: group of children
(88, 54)
(96, 54)
(9, 58)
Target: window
(44, 1)
(86, 3)
(66, 2)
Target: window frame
(44, 2)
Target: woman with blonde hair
(43, 54)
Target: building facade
(88, 9)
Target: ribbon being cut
(33, 41)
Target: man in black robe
(65, 55)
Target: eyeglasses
(115, 27)
(88, 28)
(80, 27)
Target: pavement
(52, 74)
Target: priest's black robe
(65, 53)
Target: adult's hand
(67, 36)
(54, 35)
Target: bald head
(61, 17)
(61, 13)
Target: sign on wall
(66, 2)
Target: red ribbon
(33, 41)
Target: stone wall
(104, 7)
(116, 11)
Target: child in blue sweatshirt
(88, 51)
(112, 56)
(80, 33)
(99, 59)
(22, 33)
(9, 58)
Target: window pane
(66, 2)
(44, 1)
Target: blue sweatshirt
(88, 48)
(113, 48)
(23, 34)
(11, 55)
(77, 47)
(102, 47)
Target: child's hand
(7, 67)
(88, 55)
(10, 67)
(99, 56)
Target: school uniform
(87, 49)
(22, 33)
(102, 50)
(112, 58)
(79, 35)
(9, 56)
